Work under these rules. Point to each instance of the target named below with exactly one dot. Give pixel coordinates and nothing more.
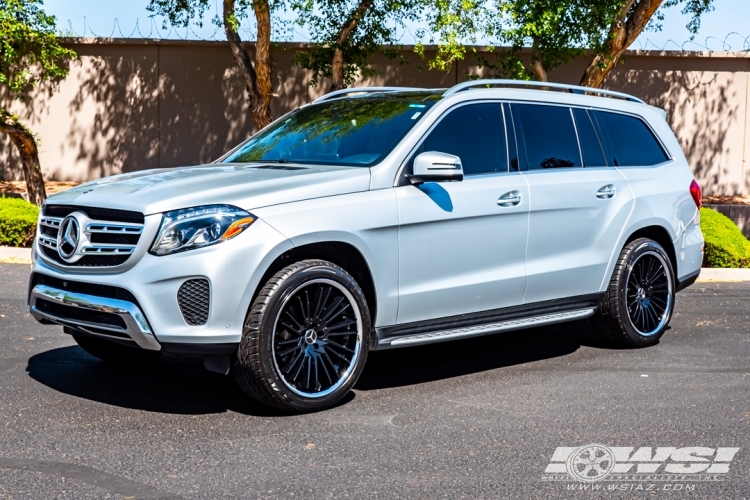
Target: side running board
(472, 331)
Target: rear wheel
(639, 301)
(114, 352)
(304, 341)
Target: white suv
(377, 218)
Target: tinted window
(629, 141)
(356, 132)
(548, 135)
(591, 148)
(476, 134)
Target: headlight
(199, 227)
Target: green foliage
(17, 222)
(375, 25)
(29, 49)
(556, 30)
(726, 246)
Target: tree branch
(337, 63)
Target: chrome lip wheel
(649, 293)
(317, 338)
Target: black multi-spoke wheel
(638, 303)
(305, 339)
(317, 337)
(649, 294)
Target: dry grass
(726, 200)
(51, 187)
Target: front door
(462, 244)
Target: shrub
(726, 246)
(18, 220)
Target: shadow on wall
(706, 109)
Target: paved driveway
(472, 419)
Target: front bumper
(134, 325)
(154, 320)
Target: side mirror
(433, 166)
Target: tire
(115, 353)
(638, 304)
(291, 357)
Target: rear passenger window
(476, 134)
(591, 148)
(548, 135)
(629, 141)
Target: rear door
(579, 204)
(462, 245)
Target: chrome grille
(194, 298)
(109, 236)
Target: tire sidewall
(266, 332)
(641, 247)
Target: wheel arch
(343, 254)
(660, 235)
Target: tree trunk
(622, 34)
(536, 63)
(337, 63)
(258, 84)
(26, 145)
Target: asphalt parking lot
(478, 418)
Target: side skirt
(488, 322)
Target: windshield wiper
(280, 160)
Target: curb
(709, 275)
(12, 255)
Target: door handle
(510, 199)
(606, 192)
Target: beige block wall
(135, 104)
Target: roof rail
(575, 89)
(361, 90)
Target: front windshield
(358, 131)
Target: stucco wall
(134, 104)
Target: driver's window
(476, 134)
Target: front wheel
(305, 338)
(639, 301)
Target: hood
(247, 186)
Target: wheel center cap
(640, 293)
(311, 336)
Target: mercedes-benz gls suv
(379, 218)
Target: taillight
(695, 192)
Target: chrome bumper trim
(137, 326)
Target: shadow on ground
(183, 386)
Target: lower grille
(77, 314)
(111, 292)
(194, 298)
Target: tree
(29, 54)
(257, 76)
(347, 33)
(556, 30)
(630, 18)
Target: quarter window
(629, 141)
(476, 134)
(549, 136)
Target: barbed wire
(710, 44)
(732, 42)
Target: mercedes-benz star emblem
(68, 237)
